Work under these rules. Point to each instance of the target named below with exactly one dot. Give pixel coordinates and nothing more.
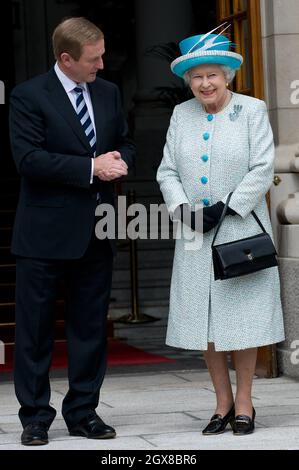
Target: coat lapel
(62, 103)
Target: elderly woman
(220, 142)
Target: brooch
(237, 109)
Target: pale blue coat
(238, 154)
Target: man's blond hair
(72, 34)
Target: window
(245, 32)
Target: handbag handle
(224, 214)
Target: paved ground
(163, 406)
(166, 410)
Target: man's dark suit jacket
(56, 211)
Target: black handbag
(244, 256)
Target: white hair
(229, 74)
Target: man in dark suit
(69, 141)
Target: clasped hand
(210, 215)
(110, 166)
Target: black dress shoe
(218, 423)
(243, 424)
(92, 427)
(35, 434)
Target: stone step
(159, 292)
(145, 260)
(116, 310)
(118, 315)
(149, 306)
(122, 245)
(143, 281)
(155, 288)
(141, 187)
(7, 331)
(123, 275)
(148, 268)
(7, 311)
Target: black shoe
(92, 427)
(218, 423)
(243, 424)
(35, 434)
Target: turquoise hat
(205, 49)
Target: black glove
(211, 215)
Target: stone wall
(280, 36)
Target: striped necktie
(84, 117)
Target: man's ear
(66, 59)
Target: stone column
(29, 43)
(156, 23)
(280, 31)
(35, 22)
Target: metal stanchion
(135, 316)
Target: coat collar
(62, 103)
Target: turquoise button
(204, 179)
(205, 202)
(205, 158)
(210, 117)
(206, 136)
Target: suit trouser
(88, 285)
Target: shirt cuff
(91, 174)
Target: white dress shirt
(69, 86)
